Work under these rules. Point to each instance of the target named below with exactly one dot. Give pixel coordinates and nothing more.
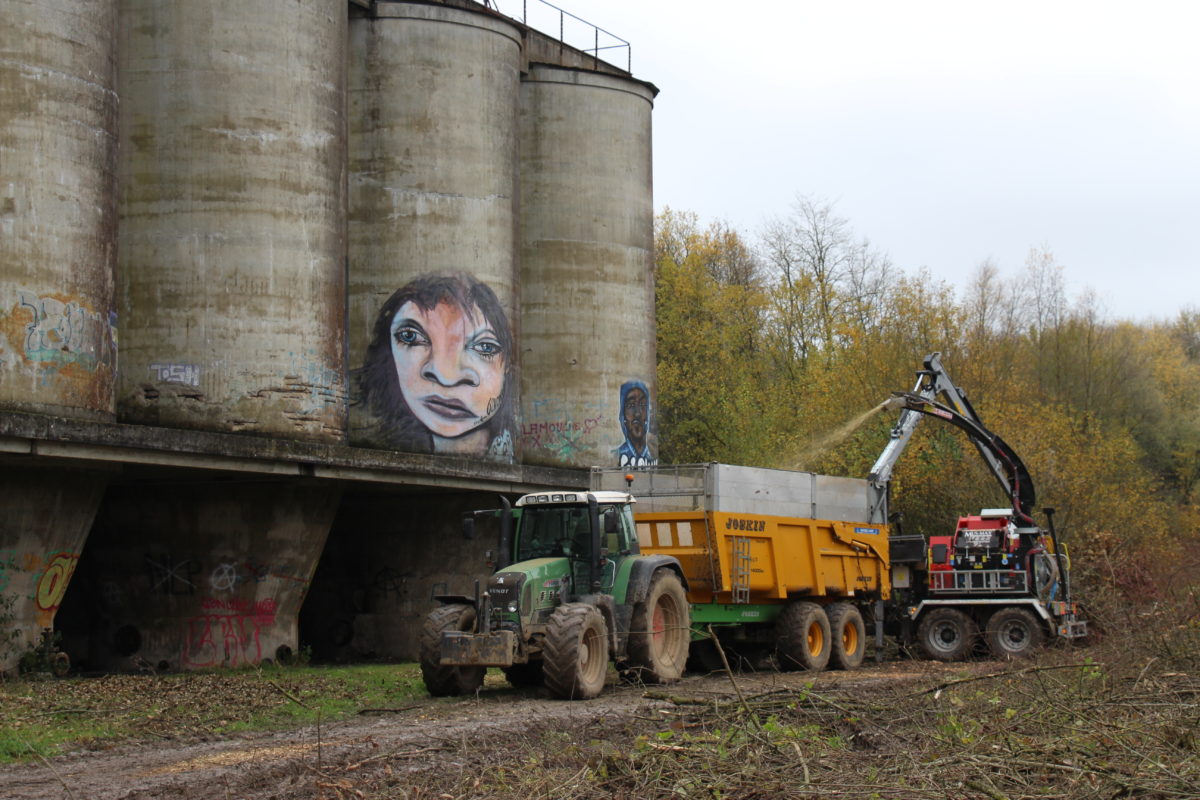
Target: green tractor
(571, 591)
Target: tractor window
(548, 531)
(621, 541)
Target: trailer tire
(802, 640)
(660, 631)
(947, 634)
(575, 653)
(523, 676)
(848, 636)
(442, 680)
(1013, 632)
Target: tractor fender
(640, 574)
(643, 570)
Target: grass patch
(47, 717)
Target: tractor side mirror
(468, 526)
(610, 521)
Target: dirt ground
(428, 737)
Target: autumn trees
(767, 347)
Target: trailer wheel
(525, 675)
(849, 636)
(575, 654)
(441, 680)
(802, 638)
(1013, 633)
(947, 634)
(659, 631)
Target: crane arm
(1003, 461)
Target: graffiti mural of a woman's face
(450, 366)
(439, 372)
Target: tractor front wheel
(442, 680)
(575, 653)
(947, 634)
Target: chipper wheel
(659, 632)
(802, 639)
(575, 653)
(848, 635)
(947, 634)
(445, 681)
(1013, 633)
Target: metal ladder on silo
(740, 569)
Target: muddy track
(291, 764)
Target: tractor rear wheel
(947, 634)
(575, 653)
(1013, 633)
(802, 639)
(659, 632)
(849, 636)
(442, 680)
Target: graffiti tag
(228, 633)
(66, 333)
(171, 577)
(187, 374)
(53, 583)
(8, 564)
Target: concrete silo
(433, 187)
(232, 232)
(58, 125)
(587, 284)
(58, 118)
(232, 258)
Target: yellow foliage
(774, 361)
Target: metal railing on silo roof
(610, 42)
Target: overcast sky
(946, 132)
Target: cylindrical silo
(58, 123)
(587, 279)
(433, 189)
(233, 216)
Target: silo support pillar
(198, 575)
(45, 517)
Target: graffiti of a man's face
(637, 407)
(450, 366)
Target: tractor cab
(593, 530)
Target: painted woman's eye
(486, 348)
(409, 336)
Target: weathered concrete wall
(587, 281)
(197, 574)
(433, 191)
(233, 203)
(46, 515)
(58, 143)
(387, 556)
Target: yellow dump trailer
(789, 562)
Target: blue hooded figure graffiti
(438, 372)
(635, 424)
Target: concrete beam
(53, 440)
